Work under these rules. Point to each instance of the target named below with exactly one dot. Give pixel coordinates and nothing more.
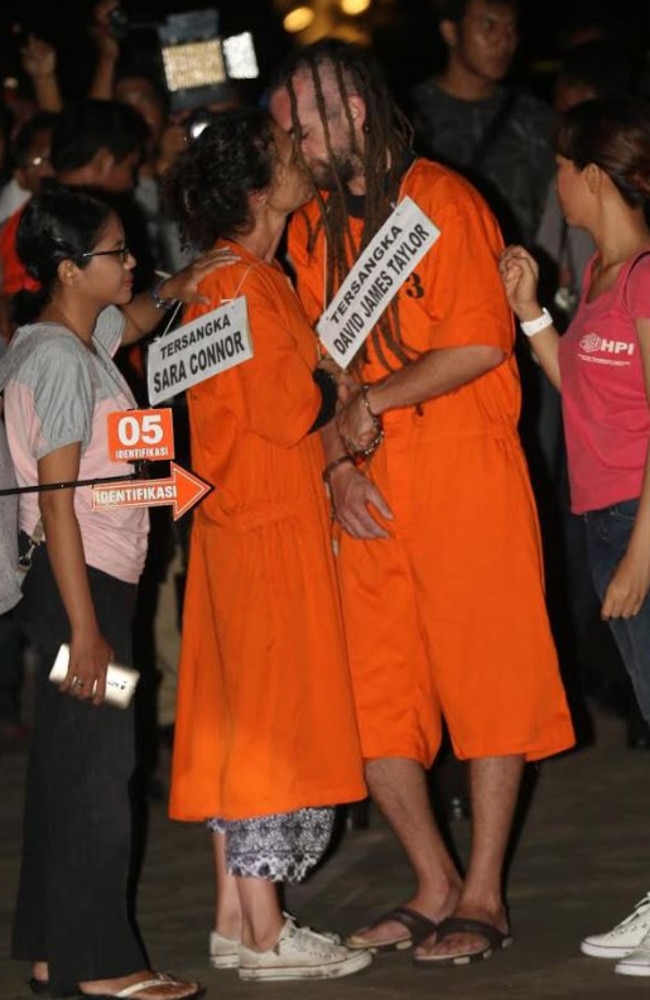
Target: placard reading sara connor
(198, 350)
(375, 279)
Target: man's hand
(352, 496)
(356, 425)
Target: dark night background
(403, 32)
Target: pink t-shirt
(61, 394)
(604, 403)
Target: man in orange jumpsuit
(440, 563)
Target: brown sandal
(496, 941)
(418, 926)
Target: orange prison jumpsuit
(265, 720)
(448, 616)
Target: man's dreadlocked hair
(388, 140)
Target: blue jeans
(608, 536)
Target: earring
(365, 128)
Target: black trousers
(72, 898)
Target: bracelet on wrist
(365, 389)
(334, 464)
(531, 327)
(161, 301)
(376, 419)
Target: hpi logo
(591, 343)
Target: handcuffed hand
(356, 425)
(352, 496)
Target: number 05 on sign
(141, 436)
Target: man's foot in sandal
(463, 939)
(405, 926)
(400, 928)
(145, 985)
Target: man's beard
(328, 174)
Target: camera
(197, 63)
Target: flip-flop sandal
(496, 941)
(418, 926)
(158, 979)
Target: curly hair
(613, 133)
(207, 188)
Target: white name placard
(208, 345)
(375, 280)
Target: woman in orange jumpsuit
(266, 737)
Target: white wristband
(532, 326)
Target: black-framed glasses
(122, 252)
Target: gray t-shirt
(60, 392)
(9, 589)
(515, 171)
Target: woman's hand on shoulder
(184, 284)
(90, 655)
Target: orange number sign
(141, 435)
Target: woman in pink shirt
(601, 366)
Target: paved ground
(581, 862)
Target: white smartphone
(120, 681)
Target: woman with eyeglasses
(60, 385)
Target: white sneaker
(624, 938)
(224, 952)
(301, 953)
(637, 962)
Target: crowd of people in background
(440, 376)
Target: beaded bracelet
(376, 419)
(365, 389)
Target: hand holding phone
(120, 681)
